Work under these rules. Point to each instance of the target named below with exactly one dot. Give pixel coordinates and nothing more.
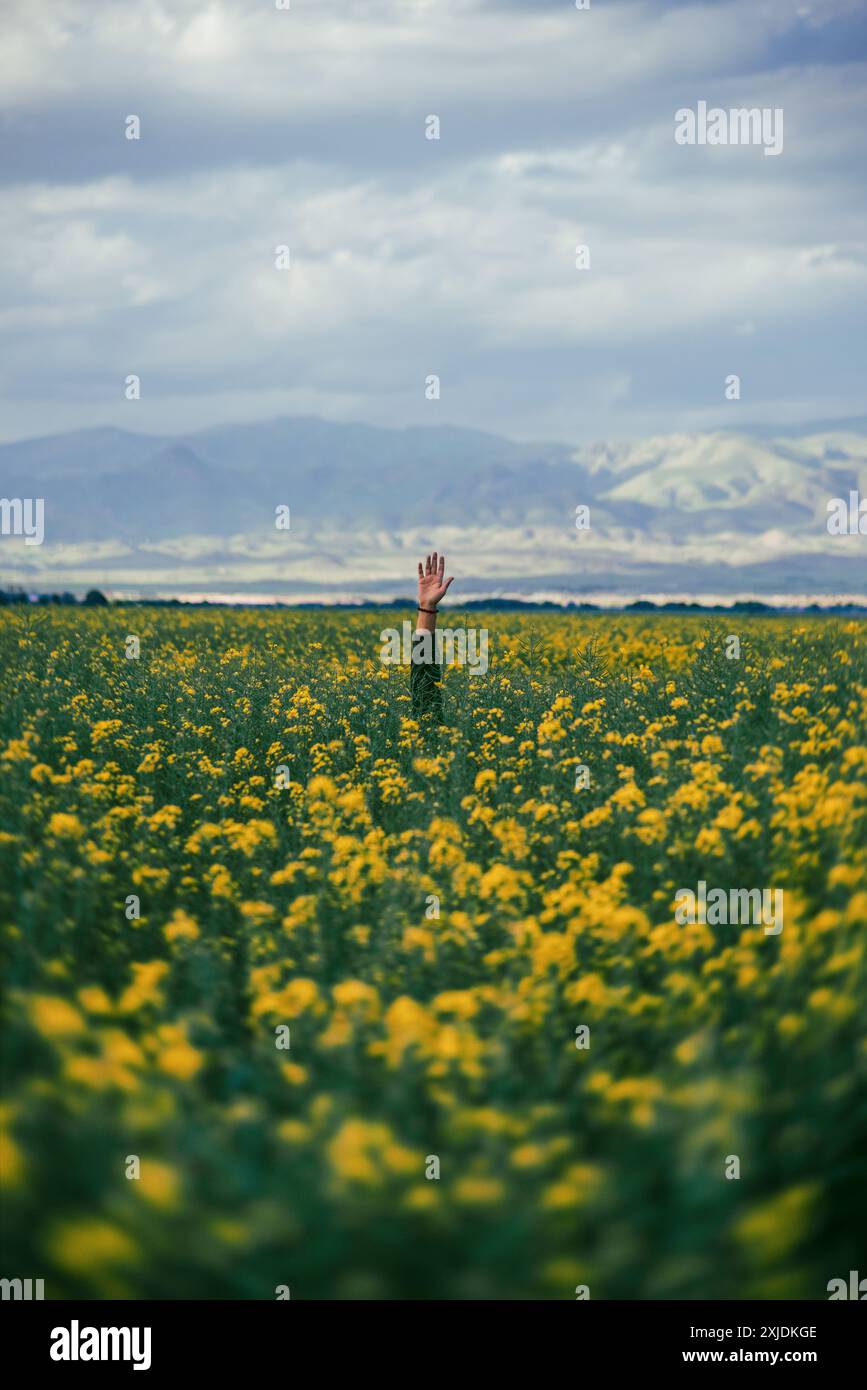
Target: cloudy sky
(305, 127)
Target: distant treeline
(92, 598)
(95, 598)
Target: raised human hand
(431, 585)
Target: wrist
(425, 619)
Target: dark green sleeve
(426, 690)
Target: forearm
(426, 620)
(425, 674)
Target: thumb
(449, 581)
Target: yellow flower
(159, 1184)
(11, 1161)
(577, 1186)
(350, 993)
(88, 1244)
(256, 911)
(182, 927)
(296, 998)
(773, 1229)
(177, 1057)
(651, 826)
(408, 1025)
(628, 796)
(145, 987)
(528, 1156)
(710, 841)
(461, 1002)
(294, 1132)
(422, 1197)
(230, 1232)
(473, 1191)
(65, 827)
(54, 1017)
(322, 789)
(355, 1152)
(295, 1075)
(504, 883)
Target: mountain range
(715, 513)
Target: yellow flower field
(303, 994)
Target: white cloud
(327, 54)
(263, 127)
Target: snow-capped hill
(698, 473)
(685, 510)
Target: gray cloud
(409, 256)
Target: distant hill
(694, 512)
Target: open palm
(431, 585)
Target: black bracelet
(426, 610)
